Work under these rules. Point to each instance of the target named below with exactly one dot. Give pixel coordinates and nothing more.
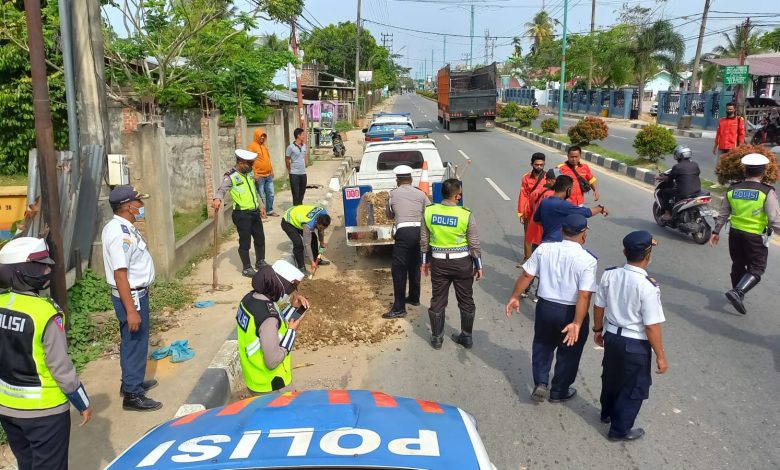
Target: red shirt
(577, 197)
(731, 132)
(528, 184)
(534, 233)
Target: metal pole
(44, 141)
(742, 36)
(471, 34)
(298, 88)
(66, 29)
(444, 53)
(563, 65)
(699, 43)
(590, 55)
(357, 58)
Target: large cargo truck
(467, 98)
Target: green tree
(771, 40)
(540, 29)
(657, 45)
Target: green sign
(735, 75)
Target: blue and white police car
(322, 429)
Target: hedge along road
(713, 409)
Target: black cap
(638, 241)
(124, 193)
(574, 224)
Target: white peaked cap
(246, 155)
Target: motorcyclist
(773, 125)
(682, 181)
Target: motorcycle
(339, 150)
(764, 133)
(688, 214)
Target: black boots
(247, 270)
(437, 328)
(737, 295)
(466, 325)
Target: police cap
(574, 224)
(402, 170)
(246, 155)
(638, 241)
(124, 193)
(754, 159)
(25, 249)
(287, 271)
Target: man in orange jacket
(731, 131)
(530, 182)
(263, 170)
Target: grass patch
(535, 130)
(713, 187)
(281, 184)
(13, 180)
(185, 222)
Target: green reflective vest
(297, 216)
(447, 226)
(25, 381)
(747, 206)
(243, 191)
(251, 313)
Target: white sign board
(366, 75)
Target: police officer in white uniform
(567, 280)
(631, 301)
(130, 271)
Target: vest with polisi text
(447, 226)
(747, 206)
(243, 190)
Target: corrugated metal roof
(759, 64)
(285, 96)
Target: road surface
(715, 408)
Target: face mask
(39, 282)
(245, 170)
(730, 113)
(141, 214)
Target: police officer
(266, 336)
(450, 232)
(130, 272)
(632, 302)
(406, 205)
(567, 280)
(38, 377)
(305, 227)
(753, 210)
(248, 209)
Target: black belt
(236, 209)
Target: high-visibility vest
(26, 382)
(243, 191)
(298, 216)
(747, 206)
(447, 226)
(251, 313)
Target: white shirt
(124, 247)
(632, 299)
(563, 268)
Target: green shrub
(587, 130)
(654, 141)
(343, 126)
(550, 125)
(85, 341)
(509, 110)
(525, 115)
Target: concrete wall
(279, 135)
(185, 171)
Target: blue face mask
(141, 214)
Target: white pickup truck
(375, 174)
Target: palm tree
(518, 47)
(540, 28)
(731, 48)
(658, 45)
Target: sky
(504, 19)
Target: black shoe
(571, 393)
(540, 393)
(735, 298)
(464, 340)
(146, 385)
(606, 420)
(437, 341)
(323, 262)
(248, 272)
(259, 264)
(631, 435)
(394, 314)
(411, 302)
(140, 403)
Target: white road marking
(446, 137)
(620, 137)
(464, 154)
(498, 190)
(437, 127)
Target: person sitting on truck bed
(300, 223)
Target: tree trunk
(641, 94)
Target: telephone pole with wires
(357, 60)
(697, 57)
(743, 35)
(298, 88)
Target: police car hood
(313, 429)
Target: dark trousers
(297, 188)
(550, 319)
(460, 273)
(133, 347)
(39, 443)
(748, 255)
(249, 225)
(296, 237)
(666, 196)
(625, 381)
(406, 264)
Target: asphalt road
(715, 408)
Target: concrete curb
(680, 132)
(639, 174)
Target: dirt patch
(347, 310)
(371, 210)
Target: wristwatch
(597, 331)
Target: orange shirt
(577, 196)
(535, 231)
(528, 183)
(731, 132)
(262, 164)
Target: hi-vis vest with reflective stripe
(243, 190)
(257, 376)
(297, 216)
(747, 206)
(25, 381)
(447, 226)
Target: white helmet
(681, 152)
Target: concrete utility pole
(298, 71)
(563, 65)
(743, 34)
(432, 66)
(471, 34)
(592, 29)
(44, 141)
(695, 71)
(357, 59)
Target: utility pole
(487, 45)
(357, 60)
(695, 71)
(471, 34)
(432, 67)
(743, 34)
(563, 65)
(444, 53)
(298, 88)
(592, 29)
(44, 142)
